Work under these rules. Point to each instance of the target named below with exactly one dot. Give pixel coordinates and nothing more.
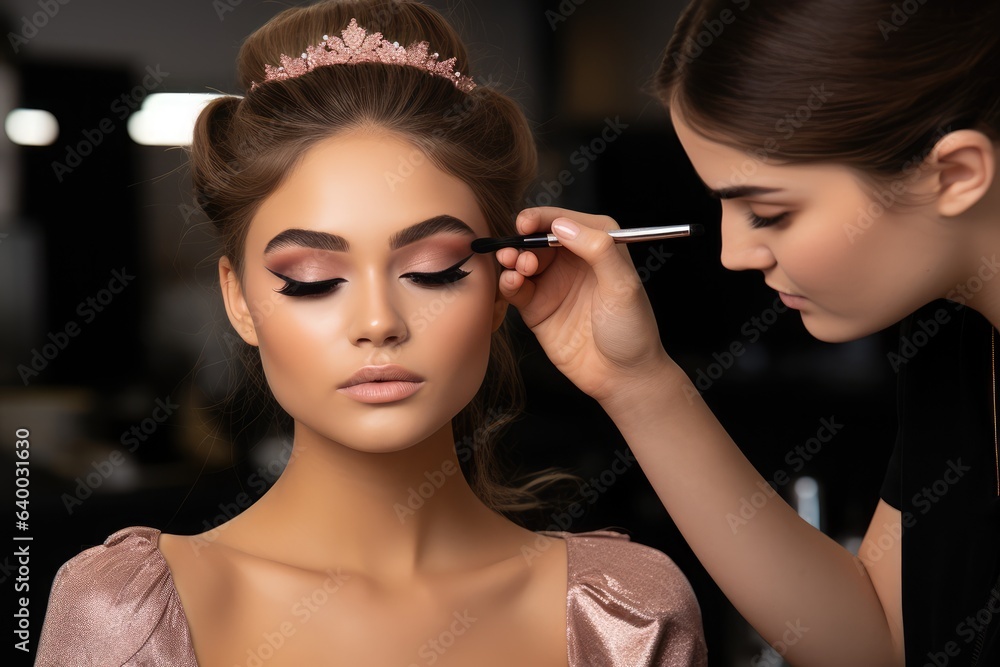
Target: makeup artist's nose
(743, 248)
(376, 319)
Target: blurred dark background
(111, 309)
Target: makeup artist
(883, 206)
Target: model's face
(374, 243)
(824, 239)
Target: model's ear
(499, 309)
(965, 165)
(236, 303)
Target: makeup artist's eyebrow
(305, 238)
(742, 191)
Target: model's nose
(743, 247)
(376, 319)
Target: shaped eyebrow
(742, 191)
(306, 238)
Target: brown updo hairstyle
(865, 83)
(244, 147)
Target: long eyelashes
(450, 275)
(758, 222)
(298, 288)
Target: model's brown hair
(244, 147)
(867, 83)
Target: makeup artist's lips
(792, 300)
(382, 384)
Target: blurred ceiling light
(31, 127)
(167, 119)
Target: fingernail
(566, 229)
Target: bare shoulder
(202, 576)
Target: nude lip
(795, 301)
(382, 384)
(792, 300)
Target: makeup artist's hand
(584, 302)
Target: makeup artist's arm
(796, 586)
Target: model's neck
(386, 512)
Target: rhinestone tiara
(357, 46)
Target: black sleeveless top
(943, 479)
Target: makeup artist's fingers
(507, 257)
(516, 289)
(611, 264)
(527, 264)
(540, 218)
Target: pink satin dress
(115, 604)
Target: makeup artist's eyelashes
(298, 288)
(758, 222)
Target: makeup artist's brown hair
(244, 147)
(865, 83)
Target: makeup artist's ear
(236, 304)
(499, 310)
(964, 165)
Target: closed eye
(757, 222)
(298, 288)
(452, 274)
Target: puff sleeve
(115, 604)
(629, 605)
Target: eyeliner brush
(633, 235)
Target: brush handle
(633, 235)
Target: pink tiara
(358, 46)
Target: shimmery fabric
(627, 606)
(115, 604)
